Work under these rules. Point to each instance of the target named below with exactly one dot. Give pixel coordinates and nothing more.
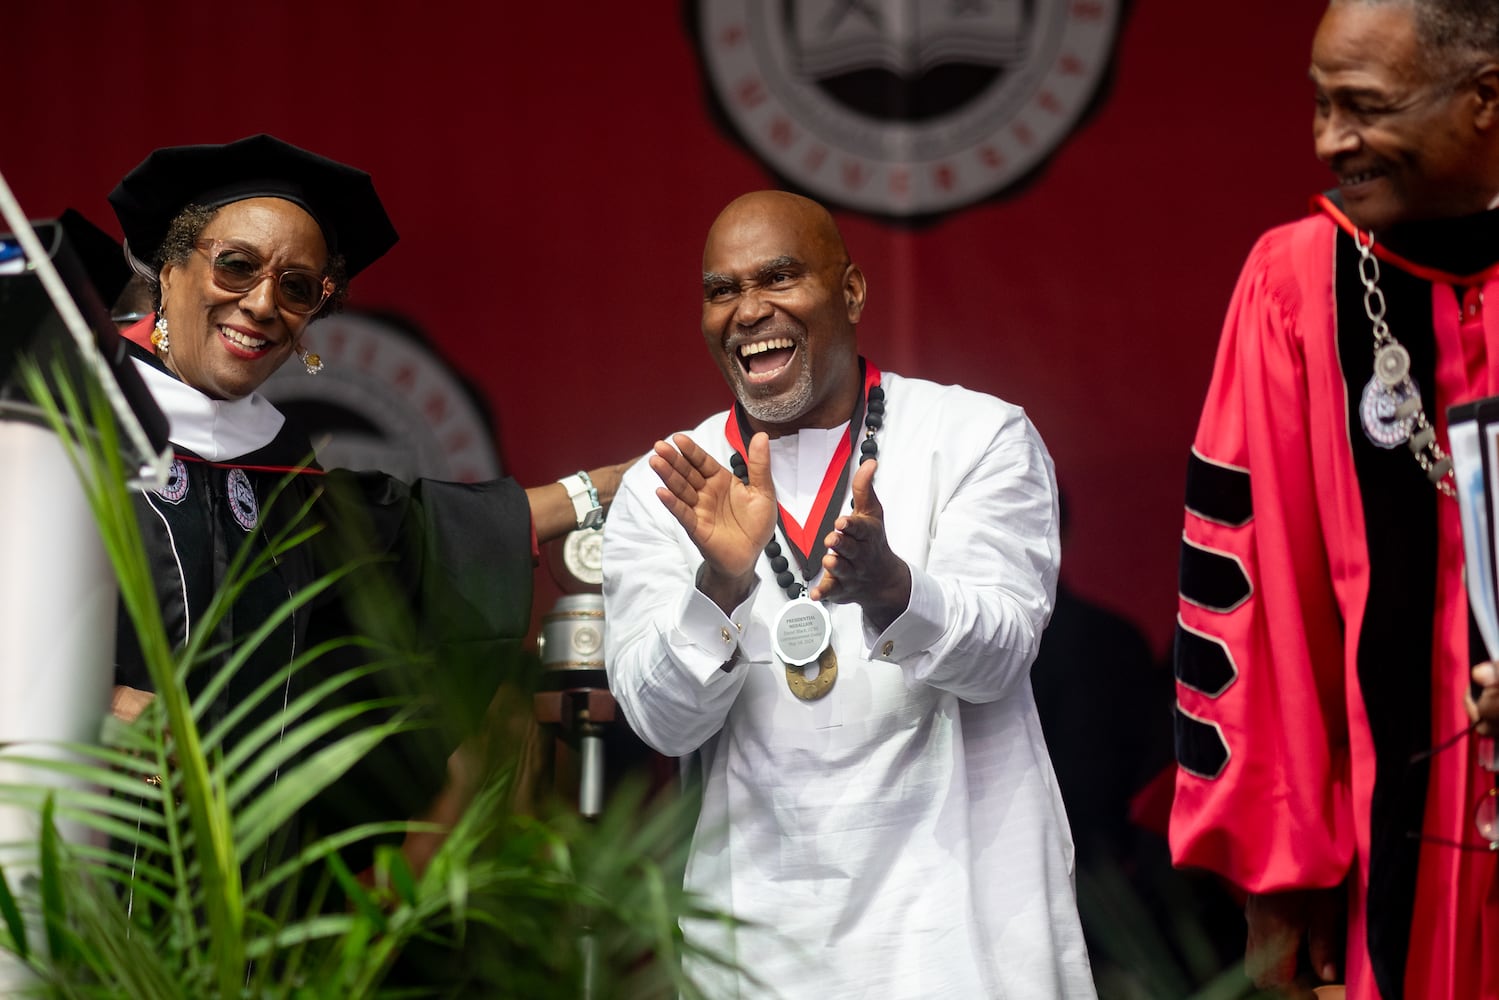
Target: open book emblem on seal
(904, 107)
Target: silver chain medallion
(1392, 364)
(1390, 408)
(1380, 411)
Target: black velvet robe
(444, 578)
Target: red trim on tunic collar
(804, 537)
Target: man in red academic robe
(1326, 764)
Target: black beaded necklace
(873, 411)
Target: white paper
(1475, 501)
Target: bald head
(778, 216)
(780, 304)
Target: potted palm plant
(188, 885)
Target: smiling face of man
(1405, 133)
(780, 306)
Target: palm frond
(195, 887)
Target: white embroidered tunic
(903, 836)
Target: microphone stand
(577, 705)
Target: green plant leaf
(197, 894)
(54, 899)
(15, 924)
(261, 817)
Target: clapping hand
(859, 567)
(727, 520)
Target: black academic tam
(341, 198)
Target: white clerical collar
(218, 430)
(798, 463)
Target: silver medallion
(1388, 412)
(801, 632)
(1392, 363)
(583, 555)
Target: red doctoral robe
(1322, 646)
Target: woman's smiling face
(226, 344)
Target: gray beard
(780, 409)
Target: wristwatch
(586, 507)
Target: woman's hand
(127, 703)
(606, 480)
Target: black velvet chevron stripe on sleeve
(1200, 748)
(1212, 580)
(1202, 663)
(1218, 492)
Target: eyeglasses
(1486, 812)
(235, 269)
(1486, 809)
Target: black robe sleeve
(445, 580)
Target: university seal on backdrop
(386, 400)
(904, 108)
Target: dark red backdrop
(552, 169)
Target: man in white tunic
(830, 607)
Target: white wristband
(587, 510)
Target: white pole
(58, 594)
(58, 600)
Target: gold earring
(313, 362)
(159, 336)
